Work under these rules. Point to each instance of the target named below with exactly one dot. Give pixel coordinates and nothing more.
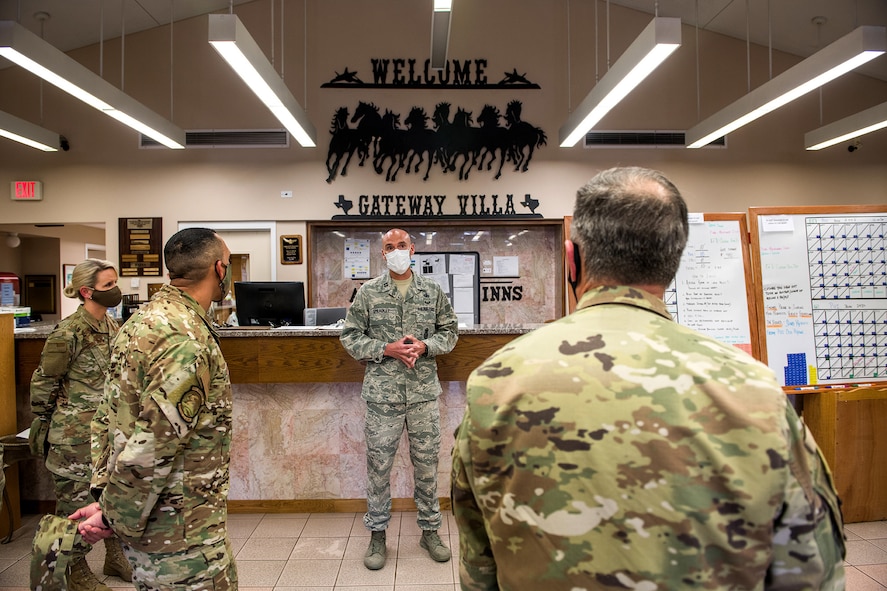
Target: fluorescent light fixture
(24, 48)
(847, 53)
(440, 33)
(234, 43)
(655, 43)
(848, 128)
(27, 133)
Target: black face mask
(107, 298)
(224, 284)
(574, 281)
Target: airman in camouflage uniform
(165, 488)
(615, 449)
(66, 389)
(398, 324)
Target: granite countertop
(313, 331)
(40, 330)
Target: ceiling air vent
(641, 139)
(229, 138)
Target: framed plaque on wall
(291, 249)
(141, 251)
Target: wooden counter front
(303, 359)
(297, 357)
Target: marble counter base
(306, 441)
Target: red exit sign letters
(27, 191)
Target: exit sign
(27, 191)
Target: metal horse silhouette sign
(456, 145)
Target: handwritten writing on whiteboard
(781, 293)
(825, 296)
(707, 295)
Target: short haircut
(191, 253)
(630, 225)
(86, 274)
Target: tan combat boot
(116, 563)
(374, 559)
(81, 578)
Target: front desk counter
(298, 441)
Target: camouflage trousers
(71, 495)
(384, 427)
(206, 568)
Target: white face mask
(398, 261)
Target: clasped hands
(407, 349)
(91, 527)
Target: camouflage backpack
(51, 553)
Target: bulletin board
(458, 274)
(707, 294)
(822, 301)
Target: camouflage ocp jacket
(68, 385)
(616, 449)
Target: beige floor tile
(864, 552)
(259, 573)
(354, 573)
(266, 549)
(19, 547)
(859, 581)
(351, 516)
(868, 530)
(243, 528)
(422, 571)
(303, 573)
(16, 575)
(324, 552)
(319, 548)
(327, 528)
(237, 544)
(876, 571)
(279, 527)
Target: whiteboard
(823, 278)
(710, 292)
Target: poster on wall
(356, 264)
(141, 251)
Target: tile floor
(324, 551)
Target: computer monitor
(270, 303)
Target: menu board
(823, 278)
(141, 251)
